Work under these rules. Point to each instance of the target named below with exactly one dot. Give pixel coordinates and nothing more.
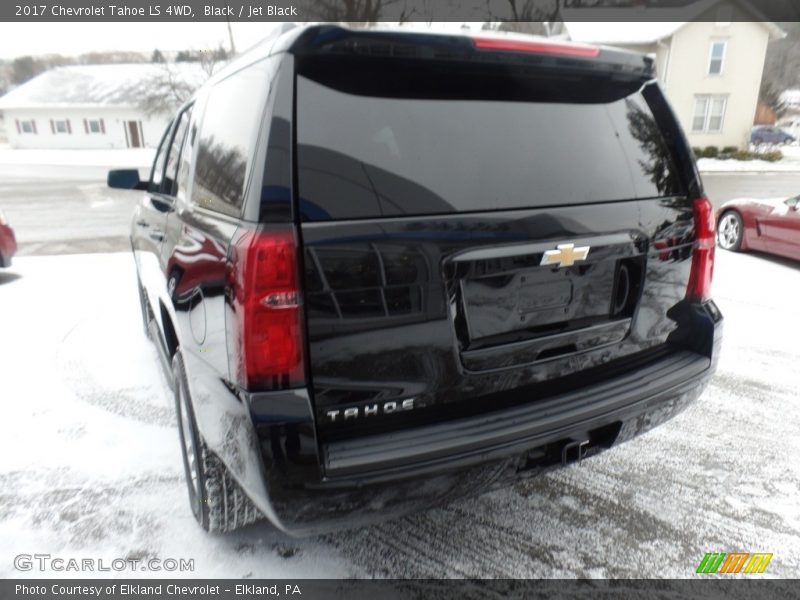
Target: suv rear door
(150, 217)
(480, 235)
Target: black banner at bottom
(313, 589)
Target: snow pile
(789, 162)
(91, 461)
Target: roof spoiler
(529, 51)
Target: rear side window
(230, 124)
(413, 141)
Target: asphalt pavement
(721, 187)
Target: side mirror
(125, 179)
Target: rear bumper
(305, 487)
(468, 441)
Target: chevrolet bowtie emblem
(565, 255)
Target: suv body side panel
(253, 444)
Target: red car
(771, 226)
(8, 243)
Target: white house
(97, 106)
(710, 67)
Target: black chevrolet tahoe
(385, 269)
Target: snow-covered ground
(90, 461)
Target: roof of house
(664, 22)
(621, 32)
(113, 85)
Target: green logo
(734, 562)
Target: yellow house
(710, 67)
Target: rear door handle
(157, 235)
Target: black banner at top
(397, 10)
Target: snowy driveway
(90, 463)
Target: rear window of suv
(376, 139)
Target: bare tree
(24, 68)
(355, 12)
(211, 60)
(111, 57)
(174, 83)
(523, 16)
(781, 67)
(770, 94)
(166, 90)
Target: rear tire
(218, 503)
(730, 231)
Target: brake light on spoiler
(535, 47)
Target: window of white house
(94, 126)
(28, 126)
(716, 57)
(709, 114)
(717, 113)
(60, 126)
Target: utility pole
(230, 36)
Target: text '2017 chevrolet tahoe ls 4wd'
(385, 269)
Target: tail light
(535, 46)
(699, 288)
(263, 281)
